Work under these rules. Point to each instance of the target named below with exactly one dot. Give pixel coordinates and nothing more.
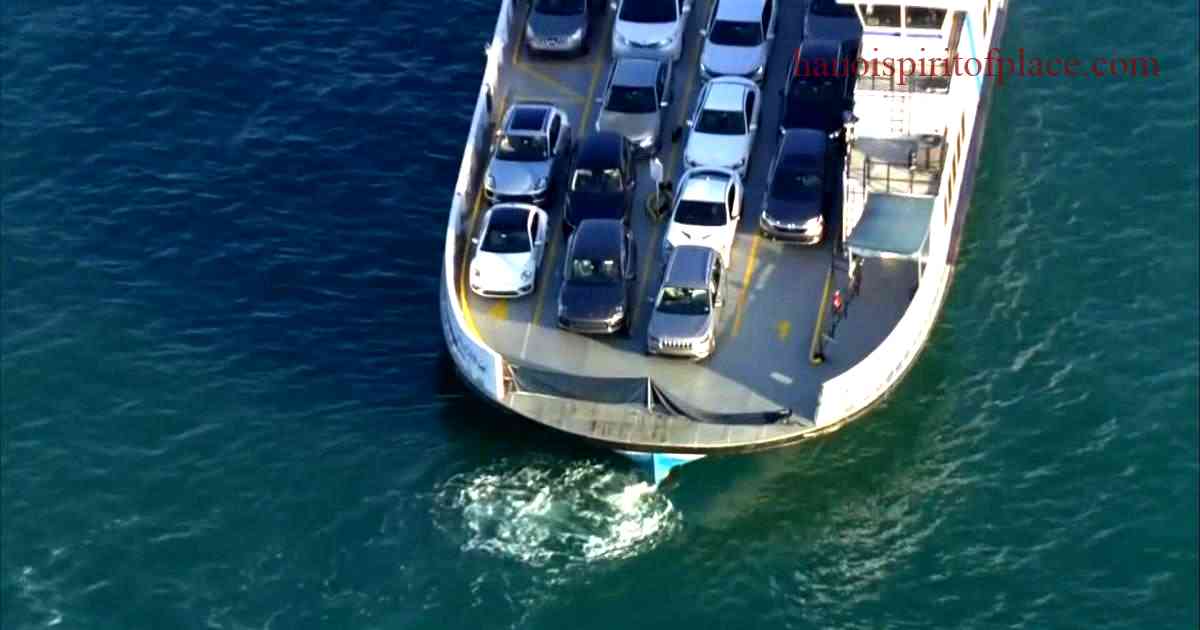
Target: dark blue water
(226, 402)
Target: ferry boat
(801, 338)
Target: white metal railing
(479, 363)
(859, 387)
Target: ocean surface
(226, 401)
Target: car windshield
(648, 11)
(559, 7)
(594, 271)
(700, 213)
(726, 33)
(506, 239)
(680, 301)
(631, 100)
(521, 148)
(605, 181)
(721, 123)
(794, 183)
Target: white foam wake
(540, 513)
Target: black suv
(820, 87)
(602, 181)
(598, 278)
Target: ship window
(887, 16)
(924, 17)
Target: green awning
(892, 226)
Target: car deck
(776, 292)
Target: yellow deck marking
(520, 39)
(567, 90)
(670, 167)
(741, 303)
(556, 231)
(462, 278)
(537, 74)
(499, 310)
(816, 337)
(784, 328)
(462, 281)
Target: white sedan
(707, 206)
(650, 28)
(508, 251)
(724, 124)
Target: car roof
(705, 186)
(508, 217)
(528, 117)
(601, 149)
(819, 49)
(725, 96)
(740, 10)
(598, 238)
(690, 266)
(803, 143)
(635, 72)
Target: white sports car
(707, 206)
(724, 124)
(508, 250)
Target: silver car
(559, 26)
(531, 148)
(738, 39)
(723, 127)
(650, 28)
(687, 308)
(636, 96)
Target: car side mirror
(474, 240)
(599, 101)
(688, 123)
(703, 32)
(664, 103)
(687, 8)
(612, 5)
(753, 127)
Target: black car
(598, 278)
(827, 19)
(602, 181)
(820, 87)
(799, 184)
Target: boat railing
(479, 364)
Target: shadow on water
(881, 452)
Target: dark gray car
(686, 310)
(799, 183)
(598, 277)
(559, 26)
